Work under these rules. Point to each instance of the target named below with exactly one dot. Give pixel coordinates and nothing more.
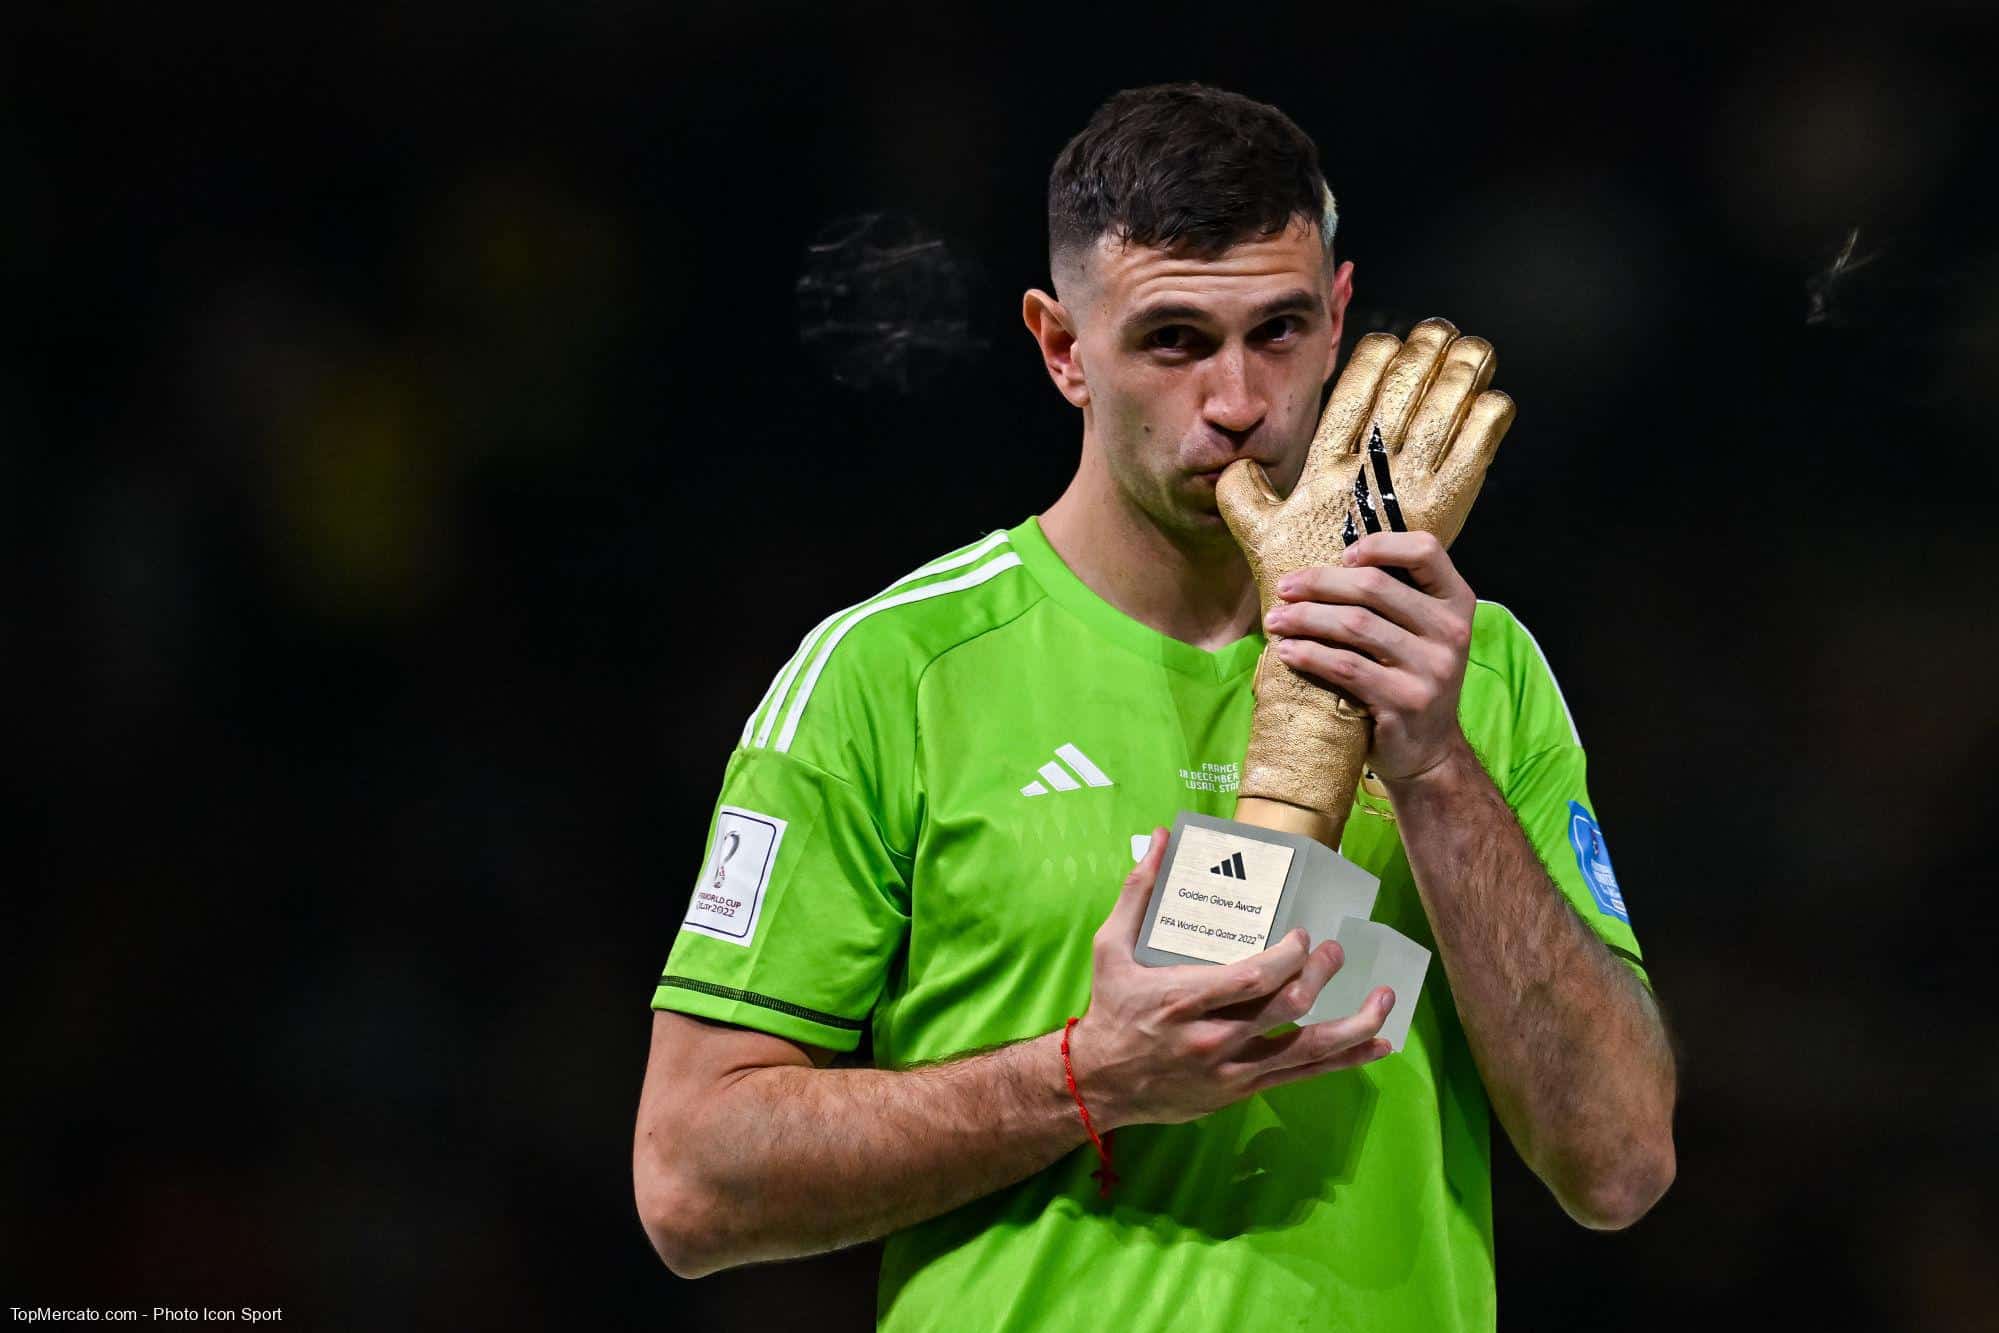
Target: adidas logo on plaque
(1080, 773)
(1232, 868)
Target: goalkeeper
(922, 832)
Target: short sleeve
(799, 910)
(1536, 756)
(1548, 796)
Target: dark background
(420, 458)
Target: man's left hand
(1399, 651)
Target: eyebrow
(1294, 302)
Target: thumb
(1127, 918)
(1246, 499)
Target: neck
(1197, 591)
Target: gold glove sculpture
(1403, 444)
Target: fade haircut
(1184, 168)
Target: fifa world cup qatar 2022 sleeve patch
(1593, 860)
(730, 896)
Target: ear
(1050, 323)
(1342, 293)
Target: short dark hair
(1185, 168)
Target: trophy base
(1227, 890)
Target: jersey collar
(1077, 598)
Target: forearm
(1570, 1046)
(789, 1161)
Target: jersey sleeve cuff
(1631, 961)
(750, 1009)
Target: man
(921, 830)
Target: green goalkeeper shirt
(927, 818)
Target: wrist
(1449, 775)
(1100, 1136)
(1090, 1090)
(1042, 1098)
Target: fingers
(1362, 1053)
(1367, 680)
(1448, 499)
(1244, 495)
(1362, 652)
(1293, 1000)
(1251, 978)
(1354, 627)
(1466, 369)
(1421, 553)
(1268, 1060)
(1117, 938)
(1408, 377)
(1352, 402)
(1368, 586)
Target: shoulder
(1506, 652)
(856, 670)
(1498, 637)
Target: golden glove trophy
(1404, 444)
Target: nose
(1234, 405)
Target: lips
(1214, 474)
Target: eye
(1172, 338)
(1285, 328)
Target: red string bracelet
(1103, 1175)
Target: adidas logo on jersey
(1232, 867)
(1081, 772)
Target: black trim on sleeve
(1625, 954)
(767, 1001)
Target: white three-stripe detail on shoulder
(965, 557)
(780, 688)
(997, 565)
(782, 681)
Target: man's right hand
(1164, 1045)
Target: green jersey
(928, 817)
